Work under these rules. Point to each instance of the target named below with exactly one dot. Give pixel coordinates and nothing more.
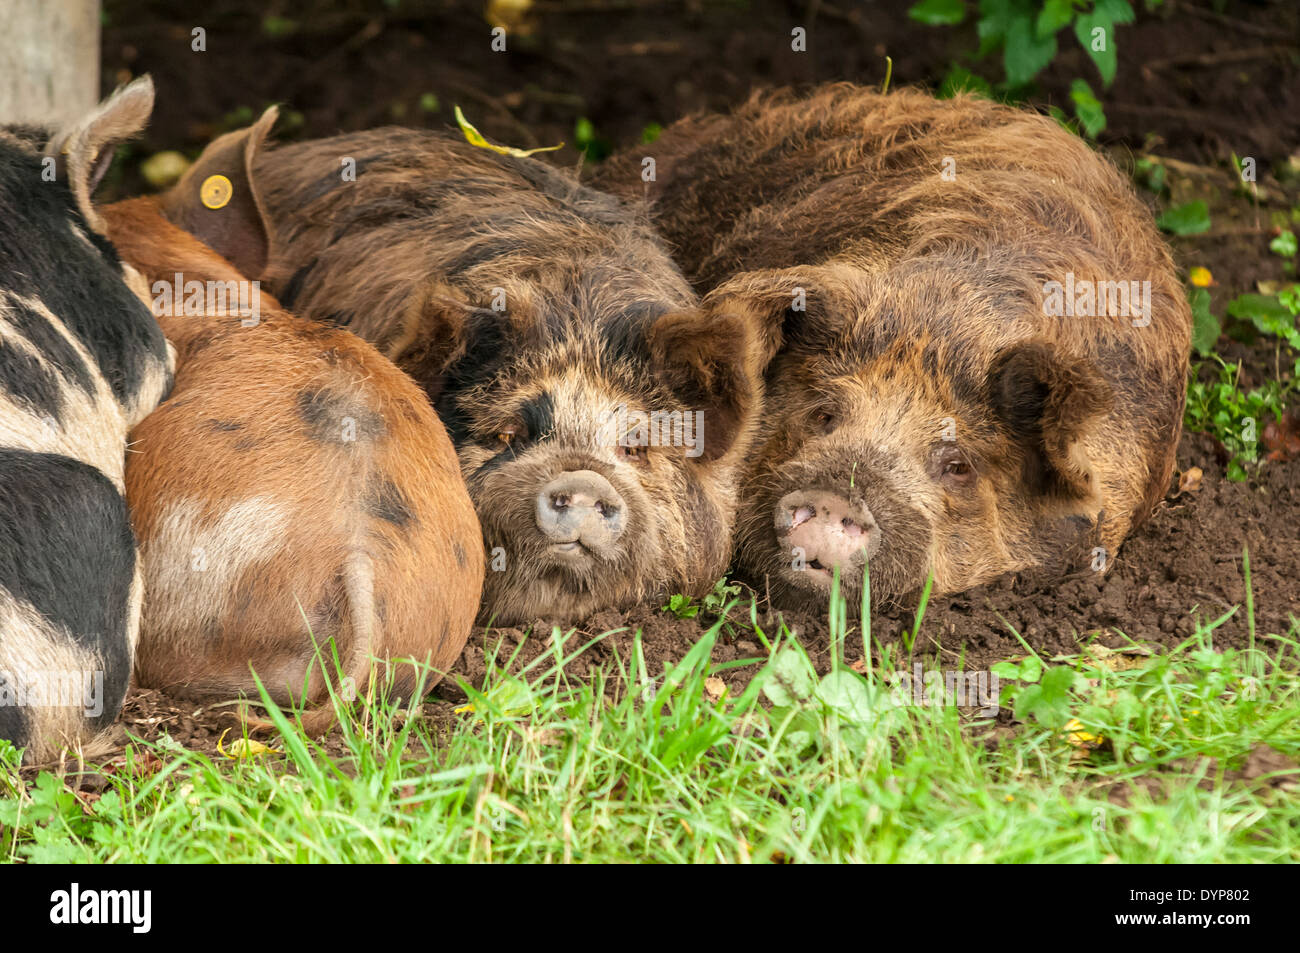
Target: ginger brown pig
(296, 489)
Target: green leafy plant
(1027, 34)
(939, 12)
(807, 712)
(586, 138)
(1150, 174)
(1205, 326)
(1087, 107)
(1192, 218)
(1046, 700)
(1271, 314)
(1236, 418)
(1039, 692)
(1284, 245)
(684, 607)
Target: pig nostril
(581, 506)
(802, 515)
(850, 527)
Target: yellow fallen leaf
(242, 748)
(475, 138)
(1078, 736)
(1200, 277)
(464, 708)
(1116, 660)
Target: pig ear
(782, 303)
(1050, 403)
(217, 202)
(714, 359)
(86, 147)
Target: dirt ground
(1196, 84)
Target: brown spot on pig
(936, 407)
(344, 501)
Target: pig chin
(568, 535)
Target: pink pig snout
(829, 529)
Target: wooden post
(49, 59)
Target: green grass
(549, 768)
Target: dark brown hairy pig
(565, 352)
(296, 489)
(983, 340)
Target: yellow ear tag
(215, 192)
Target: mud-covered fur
(529, 307)
(81, 359)
(924, 379)
(296, 489)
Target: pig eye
(954, 469)
(511, 433)
(634, 454)
(825, 420)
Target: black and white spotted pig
(81, 361)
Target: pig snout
(579, 510)
(829, 529)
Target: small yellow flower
(1200, 277)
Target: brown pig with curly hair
(600, 415)
(982, 340)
